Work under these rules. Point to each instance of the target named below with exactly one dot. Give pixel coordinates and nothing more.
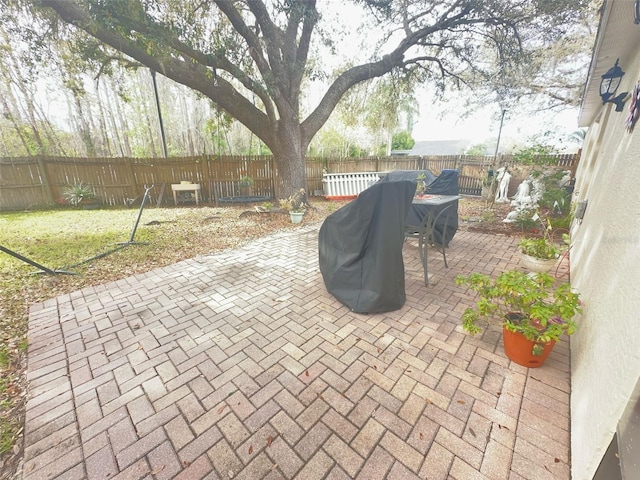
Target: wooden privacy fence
(37, 181)
(28, 182)
(473, 169)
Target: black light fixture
(609, 85)
(636, 11)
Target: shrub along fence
(30, 182)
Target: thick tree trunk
(291, 173)
(289, 154)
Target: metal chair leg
(422, 248)
(442, 244)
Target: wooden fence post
(204, 173)
(134, 184)
(46, 184)
(206, 177)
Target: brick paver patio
(241, 365)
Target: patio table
(421, 205)
(430, 221)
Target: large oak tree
(253, 57)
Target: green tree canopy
(402, 141)
(235, 51)
(479, 150)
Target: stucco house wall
(605, 269)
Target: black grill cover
(360, 248)
(445, 184)
(412, 175)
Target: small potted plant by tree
(80, 195)
(532, 311)
(296, 205)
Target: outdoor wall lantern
(609, 85)
(636, 11)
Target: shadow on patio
(241, 365)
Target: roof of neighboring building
(440, 147)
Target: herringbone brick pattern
(241, 365)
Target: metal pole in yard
(42, 268)
(495, 155)
(492, 189)
(135, 227)
(155, 91)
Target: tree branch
(193, 75)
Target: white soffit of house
(618, 37)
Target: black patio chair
(427, 234)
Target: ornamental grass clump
(79, 193)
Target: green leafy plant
(78, 194)
(526, 303)
(420, 187)
(8, 433)
(539, 248)
(246, 181)
(523, 219)
(5, 358)
(538, 154)
(488, 216)
(562, 222)
(554, 196)
(291, 207)
(296, 202)
(543, 247)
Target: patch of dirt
(476, 215)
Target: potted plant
(296, 205)
(80, 194)
(540, 254)
(296, 215)
(533, 312)
(421, 186)
(245, 185)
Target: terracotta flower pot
(520, 350)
